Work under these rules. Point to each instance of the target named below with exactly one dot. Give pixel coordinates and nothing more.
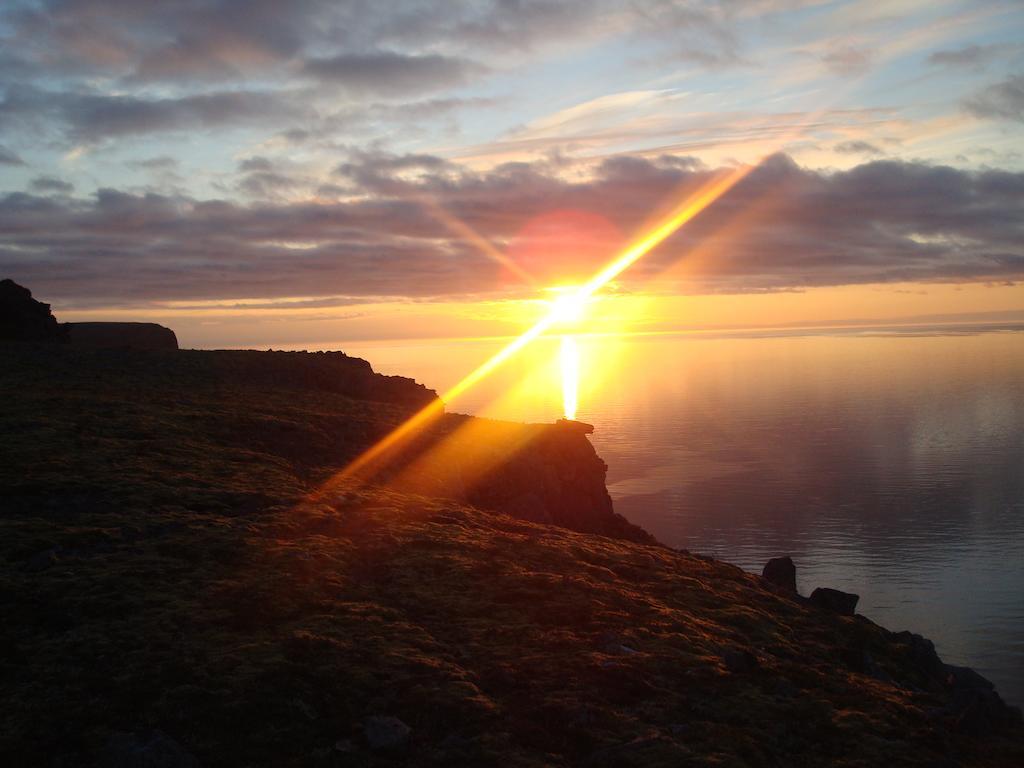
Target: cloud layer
(782, 227)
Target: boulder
(843, 603)
(22, 318)
(921, 655)
(781, 572)
(386, 733)
(151, 749)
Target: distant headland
(22, 318)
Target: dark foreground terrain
(182, 583)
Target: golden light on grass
(562, 310)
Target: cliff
(22, 318)
(546, 473)
(261, 401)
(185, 582)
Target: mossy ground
(163, 566)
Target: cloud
(784, 226)
(970, 56)
(257, 163)
(153, 42)
(164, 163)
(91, 118)
(266, 184)
(9, 158)
(846, 60)
(1002, 100)
(52, 184)
(390, 73)
(857, 148)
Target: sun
(569, 307)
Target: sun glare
(569, 307)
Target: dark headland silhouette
(22, 318)
(188, 581)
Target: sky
(258, 173)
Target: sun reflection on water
(570, 356)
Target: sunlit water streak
(886, 463)
(570, 358)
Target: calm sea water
(886, 462)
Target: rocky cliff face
(546, 473)
(22, 318)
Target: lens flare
(570, 355)
(664, 225)
(569, 306)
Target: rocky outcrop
(127, 335)
(560, 480)
(22, 318)
(781, 572)
(545, 473)
(973, 707)
(843, 603)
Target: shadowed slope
(495, 640)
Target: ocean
(885, 461)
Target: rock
(921, 654)
(152, 749)
(976, 707)
(22, 318)
(781, 572)
(739, 661)
(559, 480)
(41, 561)
(615, 647)
(843, 603)
(965, 678)
(577, 426)
(386, 733)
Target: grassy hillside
(172, 593)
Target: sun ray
(463, 230)
(676, 217)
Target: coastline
(152, 500)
